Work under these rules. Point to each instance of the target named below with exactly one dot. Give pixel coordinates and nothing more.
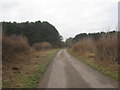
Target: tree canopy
(35, 31)
(93, 36)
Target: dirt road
(67, 72)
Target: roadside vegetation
(24, 66)
(100, 52)
(27, 49)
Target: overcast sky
(70, 17)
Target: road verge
(98, 66)
(31, 69)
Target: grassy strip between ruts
(31, 73)
(96, 66)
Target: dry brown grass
(107, 48)
(31, 68)
(104, 49)
(13, 45)
(86, 46)
(42, 46)
(101, 54)
(23, 65)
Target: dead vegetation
(104, 49)
(22, 63)
(42, 46)
(26, 70)
(13, 45)
(107, 48)
(84, 47)
(103, 52)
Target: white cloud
(70, 17)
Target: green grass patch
(99, 67)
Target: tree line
(34, 31)
(93, 36)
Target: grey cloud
(70, 17)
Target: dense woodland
(35, 32)
(94, 36)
